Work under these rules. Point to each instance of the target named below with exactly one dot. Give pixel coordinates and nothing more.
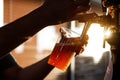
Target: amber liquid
(61, 56)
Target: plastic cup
(61, 56)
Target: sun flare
(95, 42)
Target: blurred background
(90, 65)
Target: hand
(78, 46)
(75, 42)
(64, 10)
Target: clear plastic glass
(61, 56)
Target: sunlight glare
(95, 42)
(46, 39)
(107, 33)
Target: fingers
(64, 10)
(81, 2)
(82, 9)
(82, 6)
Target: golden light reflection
(95, 42)
(107, 33)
